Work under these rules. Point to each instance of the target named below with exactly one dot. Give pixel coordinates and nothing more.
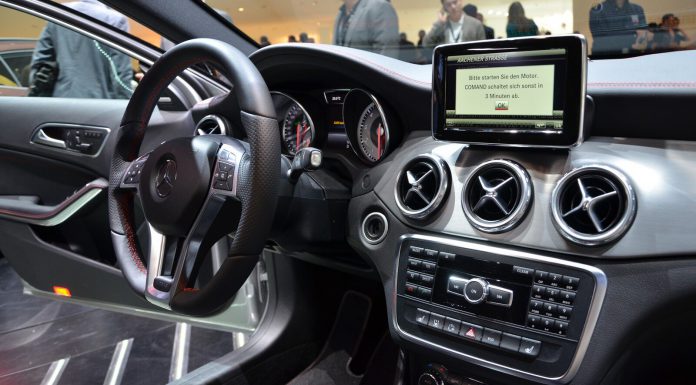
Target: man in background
(367, 24)
(80, 67)
(472, 10)
(617, 27)
(454, 26)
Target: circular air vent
(496, 196)
(212, 124)
(593, 205)
(421, 186)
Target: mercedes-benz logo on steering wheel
(164, 183)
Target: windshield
(409, 29)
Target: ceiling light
(240, 9)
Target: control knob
(476, 291)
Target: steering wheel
(195, 190)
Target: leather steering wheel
(195, 190)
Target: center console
(520, 313)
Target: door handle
(41, 138)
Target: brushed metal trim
(585, 336)
(443, 170)
(381, 237)
(611, 234)
(64, 210)
(514, 218)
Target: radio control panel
(526, 313)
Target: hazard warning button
(471, 331)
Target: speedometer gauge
(372, 133)
(296, 126)
(298, 130)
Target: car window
(46, 59)
(409, 29)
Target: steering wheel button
(224, 167)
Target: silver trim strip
(585, 336)
(611, 234)
(526, 194)
(381, 237)
(117, 367)
(443, 170)
(55, 371)
(180, 351)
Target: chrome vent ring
(497, 195)
(593, 205)
(421, 186)
(212, 125)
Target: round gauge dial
(298, 129)
(373, 136)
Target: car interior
(513, 211)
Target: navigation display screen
(514, 92)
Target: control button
(546, 324)
(456, 285)
(449, 257)
(560, 327)
(412, 276)
(411, 289)
(452, 326)
(564, 312)
(476, 290)
(428, 267)
(510, 342)
(224, 154)
(570, 283)
(222, 175)
(540, 277)
(162, 283)
(427, 279)
(430, 255)
(499, 296)
(533, 321)
(425, 293)
(436, 321)
(222, 185)
(415, 264)
(471, 331)
(537, 291)
(529, 347)
(535, 306)
(414, 251)
(554, 279)
(525, 271)
(567, 297)
(226, 167)
(491, 337)
(550, 309)
(553, 294)
(422, 317)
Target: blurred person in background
(292, 39)
(68, 64)
(421, 36)
(453, 26)
(616, 27)
(518, 24)
(264, 42)
(367, 24)
(472, 10)
(407, 50)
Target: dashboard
(508, 264)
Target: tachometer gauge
(372, 133)
(297, 128)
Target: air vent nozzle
(212, 125)
(421, 186)
(497, 196)
(593, 205)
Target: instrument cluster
(338, 118)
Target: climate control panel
(526, 313)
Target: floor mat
(331, 368)
(51, 342)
